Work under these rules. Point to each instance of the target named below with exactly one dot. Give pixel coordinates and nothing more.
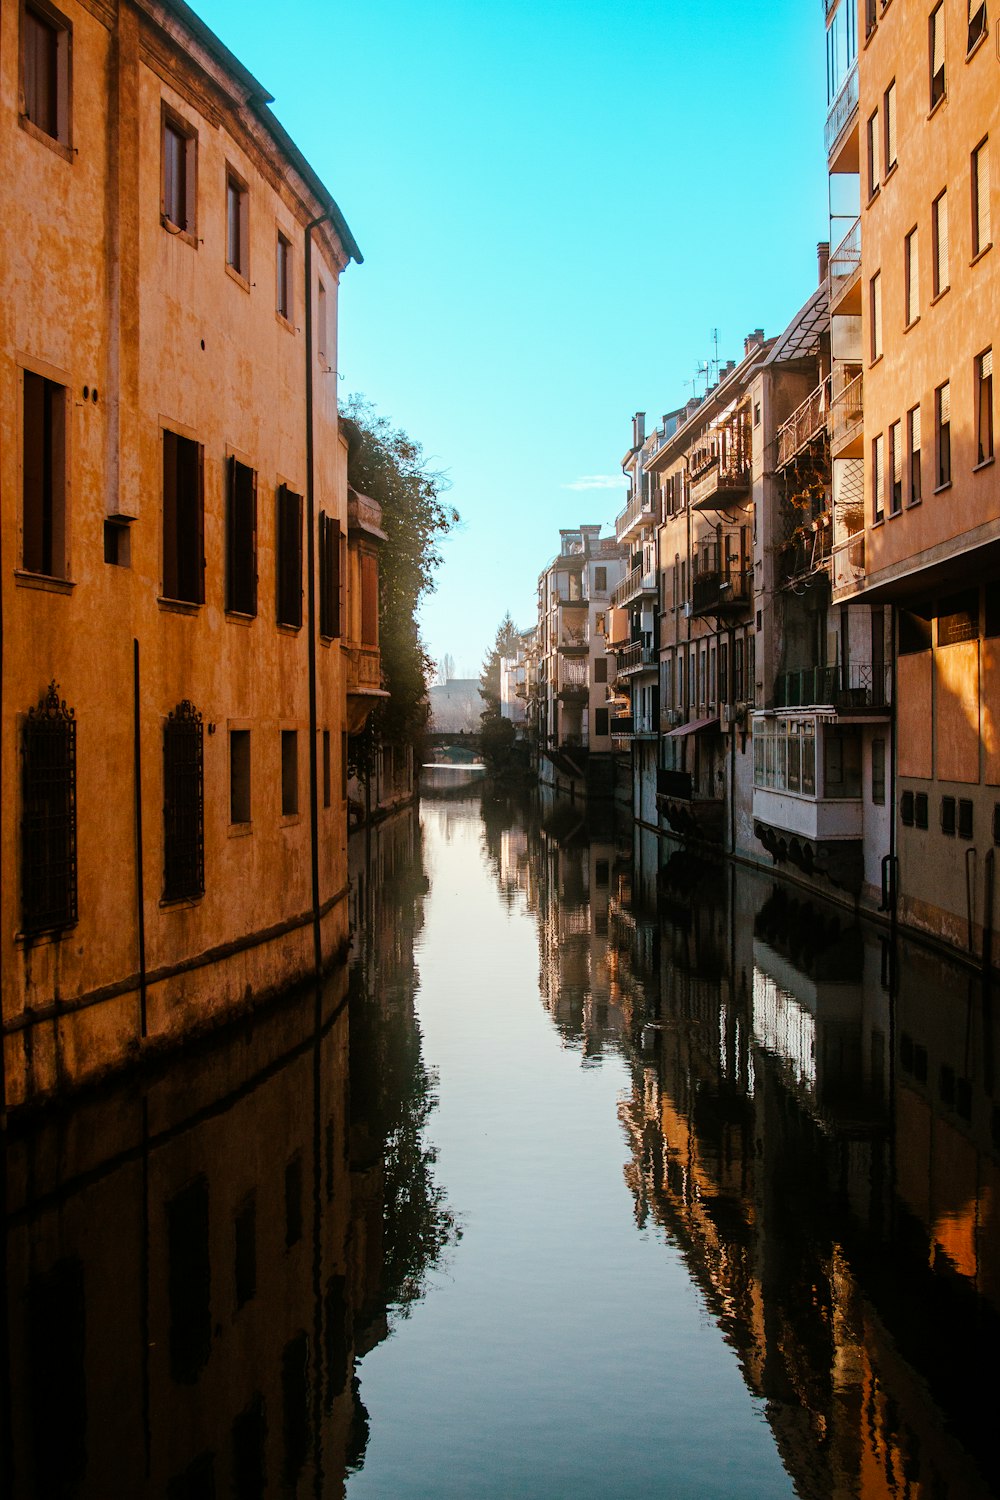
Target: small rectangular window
(239, 776)
(241, 539)
(936, 50)
(326, 768)
(875, 313)
(895, 468)
(183, 520)
(183, 804)
(906, 809)
(984, 406)
(942, 412)
(601, 580)
(48, 816)
(46, 43)
(948, 816)
(920, 810)
(329, 576)
(878, 772)
(43, 477)
(889, 110)
(913, 436)
(178, 170)
(289, 558)
(878, 479)
(873, 154)
(981, 228)
(322, 326)
(237, 225)
(289, 772)
(911, 269)
(965, 819)
(600, 669)
(283, 301)
(996, 822)
(977, 22)
(939, 235)
(600, 721)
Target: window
(322, 326)
(889, 111)
(965, 817)
(981, 198)
(239, 776)
(984, 406)
(326, 768)
(183, 520)
(369, 599)
(601, 721)
(183, 804)
(289, 558)
(46, 41)
(911, 269)
(343, 766)
(241, 539)
(599, 622)
(870, 20)
(283, 303)
(948, 816)
(600, 580)
(906, 809)
(878, 772)
(937, 53)
(600, 669)
(896, 468)
(920, 809)
(237, 226)
(43, 477)
(873, 166)
(178, 175)
(289, 772)
(329, 576)
(48, 816)
(913, 433)
(875, 310)
(878, 478)
(942, 411)
(939, 234)
(117, 542)
(977, 22)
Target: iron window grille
(183, 804)
(48, 816)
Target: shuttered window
(329, 576)
(183, 804)
(939, 226)
(43, 477)
(896, 468)
(890, 126)
(977, 21)
(878, 478)
(183, 520)
(984, 406)
(875, 310)
(241, 539)
(937, 54)
(981, 197)
(45, 70)
(48, 816)
(369, 599)
(873, 154)
(913, 424)
(942, 403)
(912, 274)
(289, 558)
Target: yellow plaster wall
(913, 715)
(956, 712)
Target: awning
(691, 728)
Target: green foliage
(389, 466)
(496, 741)
(504, 644)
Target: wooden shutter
(241, 539)
(876, 311)
(329, 576)
(170, 571)
(289, 579)
(186, 545)
(937, 54)
(369, 599)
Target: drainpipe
(311, 599)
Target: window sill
(873, 194)
(180, 903)
(237, 617)
(894, 514)
(177, 606)
(289, 820)
(985, 464)
(984, 251)
(284, 628)
(912, 324)
(49, 585)
(239, 830)
(890, 171)
(876, 361)
(878, 521)
(937, 105)
(237, 276)
(977, 44)
(61, 148)
(177, 232)
(912, 504)
(280, 318)
(940, 489)
(49, 935)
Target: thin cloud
(596, 482)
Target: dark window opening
(289, 580)
(237, 239)
(183, 804)
(601, 580)
(600, 669)
(183, 520)
(241, 539)
(44, 477)
(45, 64)
(326, 768)
(189, 1281)
(239, 776)
(977, 23)
(117, 543)
(329, 576)
(920, 810)
(948, 816)
(48, 816)
(283, 301)
(965, 818)
(178, 175)
(289, 772)
(942, 401)
(601, 721)
(906, 809)
(249, 1451)
(937, 54)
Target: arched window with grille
(48, 816)
(183, 804)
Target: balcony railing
(805, 423)
(845, 262)
(364, 669)
(848, 562)
(640, 581)
(720, 465)
(675, 784)
(720, 589)
(807, 550)
(842, 110)
(635, 657)
(637, 510)
(571, 639)
(848, 411)
(856, 685)
(574, 679)
(622, 725)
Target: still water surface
(605, 1172)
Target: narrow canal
(605, 1171)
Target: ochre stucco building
(175, 553)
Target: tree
(446, 668)
(388, 465)
(504, 644)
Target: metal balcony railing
(641, 580)
(807, 550)
(848, 562)
(845, 262)
(622, 724)
(638, 509)
(674, 784)
(634, 657)
(720, 589)
(854, 685)
(806, 421)
(574, 677)
(848, 411)
(842, 109)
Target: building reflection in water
(812, 1123)
(195, 1259)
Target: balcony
(636, 516)
(845, 270)
(641, 581)
(622, 728)
(572, 638)
(858, 685)
(847, 414)
(574, 681)
(720, 466)
(842, 113)
(364, 683)
(688, 814)
(806, 552)
(848, 563)
(806, 422)
(720, 591)
(636, 658)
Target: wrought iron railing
(848, 411)
(634, 656)
(854, 685)
(848, 561)
(806, 421)
(634, 511)
(845, 262)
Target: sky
(558, 202)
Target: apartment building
(189, 597)
(571, 712)
(926, 302)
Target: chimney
(638, 429)
(823, 260)
(753, 341)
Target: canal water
(605, 1171)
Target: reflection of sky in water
(559, 1352)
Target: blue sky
(557, 203)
